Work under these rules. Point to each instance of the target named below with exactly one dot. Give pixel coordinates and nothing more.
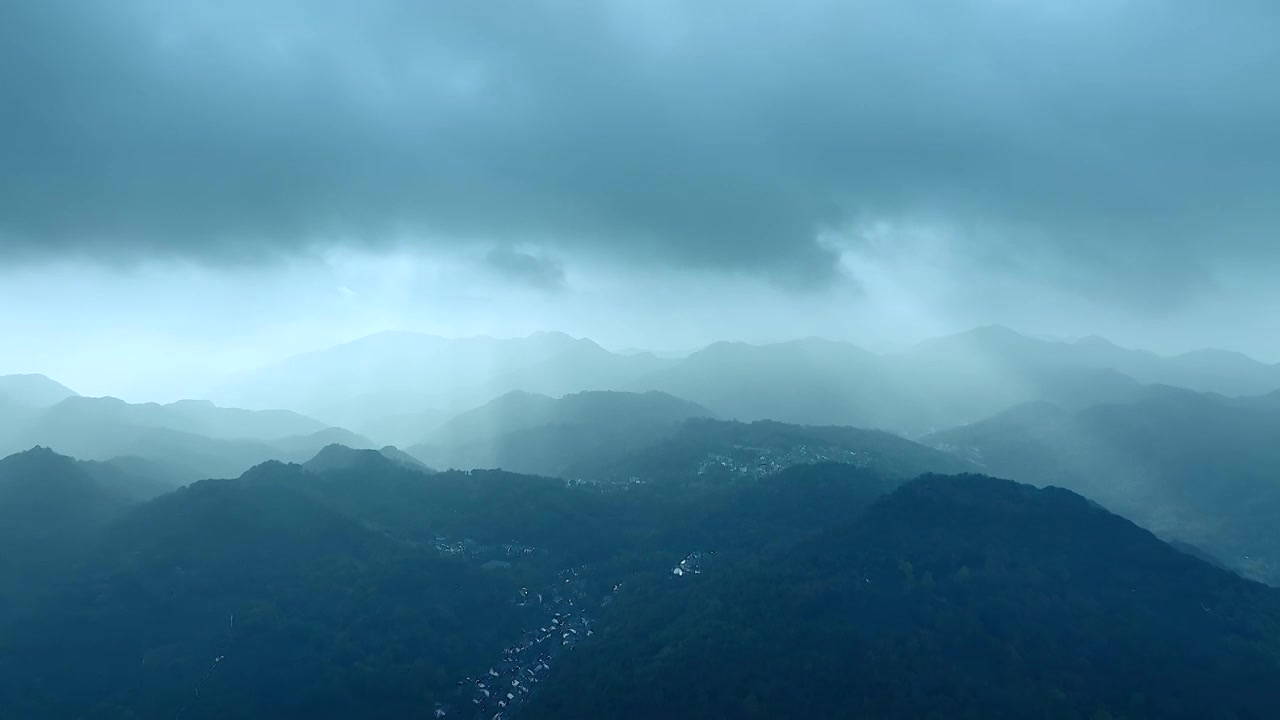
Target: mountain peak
(986, 338)
(34, 390)
(192, 403)
(341, 457)
(995, 330)
(37, 454)
(1096, 341)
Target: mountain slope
(809, 381)
(51, 509)
(998, 347)
(302, 447)
(196, 417)
(191, 439)
(244, 599)
(1193, 467)
(951, 597)
(44, 495)
(530, 433)
(33, 390)
(402, 374)
(714, 452)
(340, 457)
(397, 387)
(938, 384)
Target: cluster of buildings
(468, 549)
(691, 565)
(751, 463)
(500, 691)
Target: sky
(194, 188)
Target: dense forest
(951, 597)
(243, 599)
(361, 584)
(1195, 467)
(651, 561)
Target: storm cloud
(1106, 146)
(535, 270)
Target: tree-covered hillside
(951, 597)
(1199, 468)
(248, 599)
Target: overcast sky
(193, 187)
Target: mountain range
(32, 391)
(800, 529)
(958, 596)
(423, 379)
(537, 434)
(354, 585)
(1196, 467)
(190, 439)
(399, 387)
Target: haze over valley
(639, 360)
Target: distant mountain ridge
(538, 434)
(200, 417)
(359, 383)
(341, 457)
(949, 597)
(51, 506)
(399, 387)
(191, 439)
(702, 451)
(1195, 467)
(1219, 371)
(32, 391)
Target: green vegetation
(952, 597)
(709, 452)
(331, 618)
(710, 568)
(1193, 467)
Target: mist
(639, 359)
(255, 183)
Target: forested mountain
(522, 411)
(340, 457)
(51, 506)
(531, 433)
(660, 359)
(1194, 467)
(357, 585)
(639, 532)
(300, 447)
(951, 597)
(715, 452)
(47, 495)
(361, 586)
(249, 599)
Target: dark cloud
(1111, 146)
(538, 271)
